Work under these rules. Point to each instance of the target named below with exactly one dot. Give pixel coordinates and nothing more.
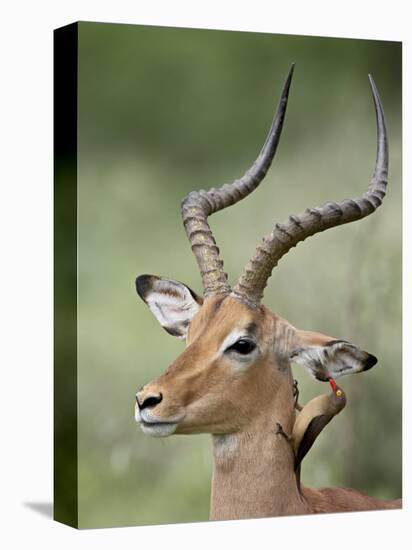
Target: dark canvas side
(65, 275)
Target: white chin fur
(155, 429)
(158, 430)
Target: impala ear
(172, 303)
(326, 357)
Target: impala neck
(253, 471)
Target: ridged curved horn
(198, 205)
(313, 220)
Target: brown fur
(308, 337)
(339, 499)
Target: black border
(65, 275)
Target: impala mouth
(155, 426)
(158, 429)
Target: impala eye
(243, 346)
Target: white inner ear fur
(304, 356)
(338, 358)
(173, 306)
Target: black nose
(151, 400)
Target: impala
(234, 378)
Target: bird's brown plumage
(314, 416)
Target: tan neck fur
(253, 473)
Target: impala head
(236, 365)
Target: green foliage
(164, 111)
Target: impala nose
(149, 400)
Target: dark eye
(242, 346)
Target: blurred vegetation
(164, 111)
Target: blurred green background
(164, 111)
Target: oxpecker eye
(242, 346)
